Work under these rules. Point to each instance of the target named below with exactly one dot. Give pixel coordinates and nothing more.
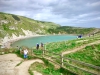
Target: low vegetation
(58, 47)
(47, 68)
(90, 55)
(71, 30)
(13, 24)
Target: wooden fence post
(44, 50)
(31, 52)
(43, 53)
(61, 59)
(45, 47)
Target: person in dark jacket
(37, 46)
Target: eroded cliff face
(14, 37)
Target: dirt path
(23, 68)
(81, 47)
(8, 64)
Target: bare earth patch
(23, 68)
(36, 73)
(8, 64)
(81, 41)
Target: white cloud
(64, 12)
(94, 4)
(97, 18)
(83, 15)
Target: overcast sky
(79, 13)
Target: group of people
(25, 50)
(37, 46)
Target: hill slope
(12, 26)
(72, 30)
(17, 26)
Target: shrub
(16, 18)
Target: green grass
(59, 47)
(37, 52)
(47, 68)
(24, 23)
(90, 54)
(35, 26)
(22, 55)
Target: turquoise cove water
(31, 42)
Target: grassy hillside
(89, 54)
(72, 30)
(15, 24)
(59, 47)
(10, 23)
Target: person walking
(25, 54)
(37, 46)
(41, 45)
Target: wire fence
(68, 63)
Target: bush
(16, 18)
